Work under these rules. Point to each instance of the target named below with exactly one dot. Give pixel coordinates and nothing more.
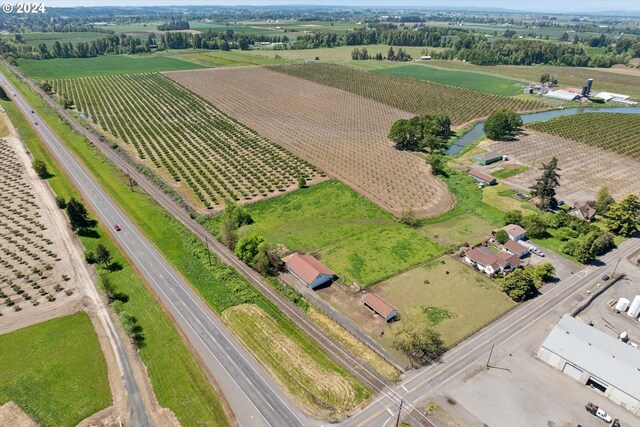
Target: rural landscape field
(294, 215)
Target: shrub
(61, 202)
(90, 257)
(502, 236)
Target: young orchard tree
(545, 186)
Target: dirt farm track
(342, 133)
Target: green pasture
(55, 371)
(62, 68)
(220, 58)
(36, 39)
(475, 81)
(469, 299)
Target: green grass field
(476, 81)
(55, 371)
(337, 54)
(220, 285)
(509, 171)
(470, 297)
(35, 39)
(172, 369)
(353, 236)
(464, 228)
(101, 65)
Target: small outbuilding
(487, 158)
(482, 177)
(515, 248)
(309, 270)
(584, 211)
(380, 306)
(515, 232)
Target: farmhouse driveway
(564, 267)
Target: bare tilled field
(37, 275)
(341, 133)
(582, 166)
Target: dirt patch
(12, 416)
(582, 167)
(341, 133)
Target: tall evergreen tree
(545, 186)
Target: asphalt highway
(256, 400)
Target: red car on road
(117, 227)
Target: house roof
(505, 258)
(592, 350)
(483, 176)
(586, 210)
(488, 156)
(378, 305)
(484, 256)
(514, 230)
(514, 246)
(306, 267)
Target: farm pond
(478, 130)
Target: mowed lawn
(353, 237)
(475, 81)
(471, 298)
(55, 371)
(102, 65)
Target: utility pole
(399, 412)
(206, 238)
(615, 268)
(489, 359)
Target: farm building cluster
(508, 259)
(577, 94)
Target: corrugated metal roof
(379, 305)
(306, 267)
(483, 176)
(561, 94)
(488, 156)
(593, 351)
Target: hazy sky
(542, 6)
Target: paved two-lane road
(255, 398)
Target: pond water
(478, 130)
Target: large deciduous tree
(417, 340)
(427, 132)
(622, 218)
(519, 285)
(78, 215)
(502, 124)
(545, 187)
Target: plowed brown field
(341, 133)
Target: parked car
(606, 277)
(615, 423)
(598, 412)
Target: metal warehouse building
(595, 359)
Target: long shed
(379, 306)
(487, 158)
(309, 270)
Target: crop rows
(619, 133)
(185, 137)
(341, 133)
(414, 96)
(30, 270)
